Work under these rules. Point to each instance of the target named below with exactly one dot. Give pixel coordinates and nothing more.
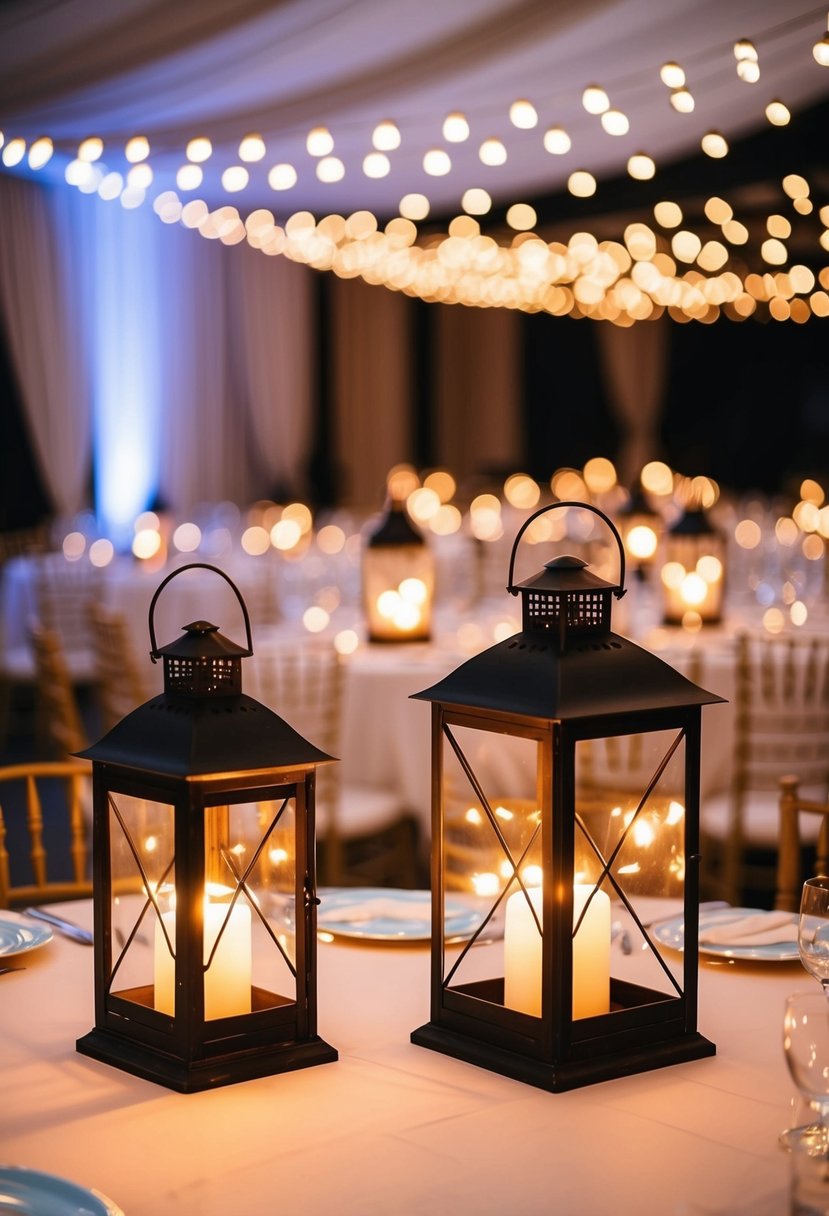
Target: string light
(637, 280)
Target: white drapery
(45, 329)
(635, 369)
(220, 349)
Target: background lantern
(693, 570)
(566, 779)
(398, 576)
(204, 877)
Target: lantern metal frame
(565, 678)
(197, 748)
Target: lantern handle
(586, 506)
(155, 653)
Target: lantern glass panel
(398, 589)
(630, 812)
(248, 904)
(491, 830)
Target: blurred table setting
(389, 1125)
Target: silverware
(67, 927)
(6, 970)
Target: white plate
(672, 933)
(19, 934)
(385, 914)
(33, 1193)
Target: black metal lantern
(565, 777)
(693, 570)
(640, 528)
(204, 877)
(398, 577)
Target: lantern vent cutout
(204, 877)
(398, 578)
(693, 571)
(565, 778)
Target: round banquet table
(392, 1127)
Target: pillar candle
(227, 982)
(591, 953)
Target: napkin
(756, 929)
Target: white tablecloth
(395, 1128)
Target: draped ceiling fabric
(232, 327)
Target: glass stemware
(806, 1047)
(813, 929)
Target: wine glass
(813, 929)
(806, 1047)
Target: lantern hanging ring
(155, 653)
(618, 591)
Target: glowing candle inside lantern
(227, 981)
(591, 953)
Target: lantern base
(562, 1076)
(199, 1075)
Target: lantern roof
(395, 528)
(180, 736)
(565, 574)
(201, 640)
(527, 674)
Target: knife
(67, 927)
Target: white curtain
(40, 277)
(478, 386)
(635, 370)
(372, 387)
(270, 322)
(189, 362)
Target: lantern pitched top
(565, 597)
(202, 723)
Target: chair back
(44, 832)
(59, 721)
(63, 591)
(781, 725)
(121, 684)
(365, 833)
(782, 708)
(790, 852)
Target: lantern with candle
(398, 573)
(538, 819)
(693, 570)
(204, 877)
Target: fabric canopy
(71, 69)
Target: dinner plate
(672, 933)
(19, 934)
(385, 914)
(32, 1193)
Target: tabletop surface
(392, 1127)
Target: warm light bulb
(821, 51)
(595, 100)
(615, 122)
(492, 152)
(436, 162)
(682, 101)
(137, 149)
(523, 115)
(319, 142)
(252, 148)
(386, 136)
(199, 149)
(557, 141)
(714, 145)
(455, 128)
(672, 75)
